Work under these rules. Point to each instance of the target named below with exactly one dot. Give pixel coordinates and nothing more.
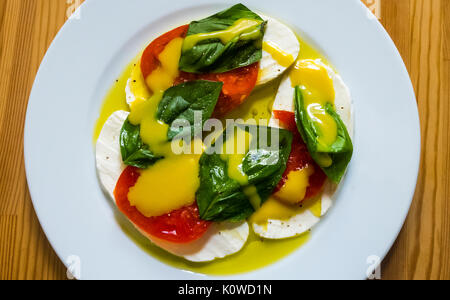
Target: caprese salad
(202, 204)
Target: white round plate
(89, 53)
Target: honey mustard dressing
(282, 58)
(163, 77)
(245, 28)
(138, 85)
(294, 190)
(318, 90)
(233, 153)
(153, 194)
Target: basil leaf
(211, 55)
(182, 101)
(134, 152)
(340, 152)
(222, 20)
(221, 198)
(265, 166)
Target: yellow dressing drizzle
(233, 152)
(252, 193)
(138, 86)
(282, 58)
(315, 206)
(246, 28)
(324, 160)
(309, 52)
(115, 100)
(154, 193)
(318, 90)
(294, 190)
(153, 131)
(162, 78)
(258, 106)
(274, 209)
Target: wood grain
(417, 27)
(27, 28)
(421, 30)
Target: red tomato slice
(180, 226)
(237, 86)
(149, 59)
(300, 157)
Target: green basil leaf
(340, 152)
(219, 197)
(211, 55)
(134, 152)
(182, 101)
(222, 20)
(222, 198)
(265, 166)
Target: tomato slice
(237, 86)
(300, 157)
(149, 59)
(180, 226)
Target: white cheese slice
(285, 39)
(107, 152)
(221, 239)
(298, 224)
(304, 221)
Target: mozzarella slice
(305, 220)
(108, 156)
(298, 224)
(221, 239)
(282, 37)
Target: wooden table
(421, 30)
